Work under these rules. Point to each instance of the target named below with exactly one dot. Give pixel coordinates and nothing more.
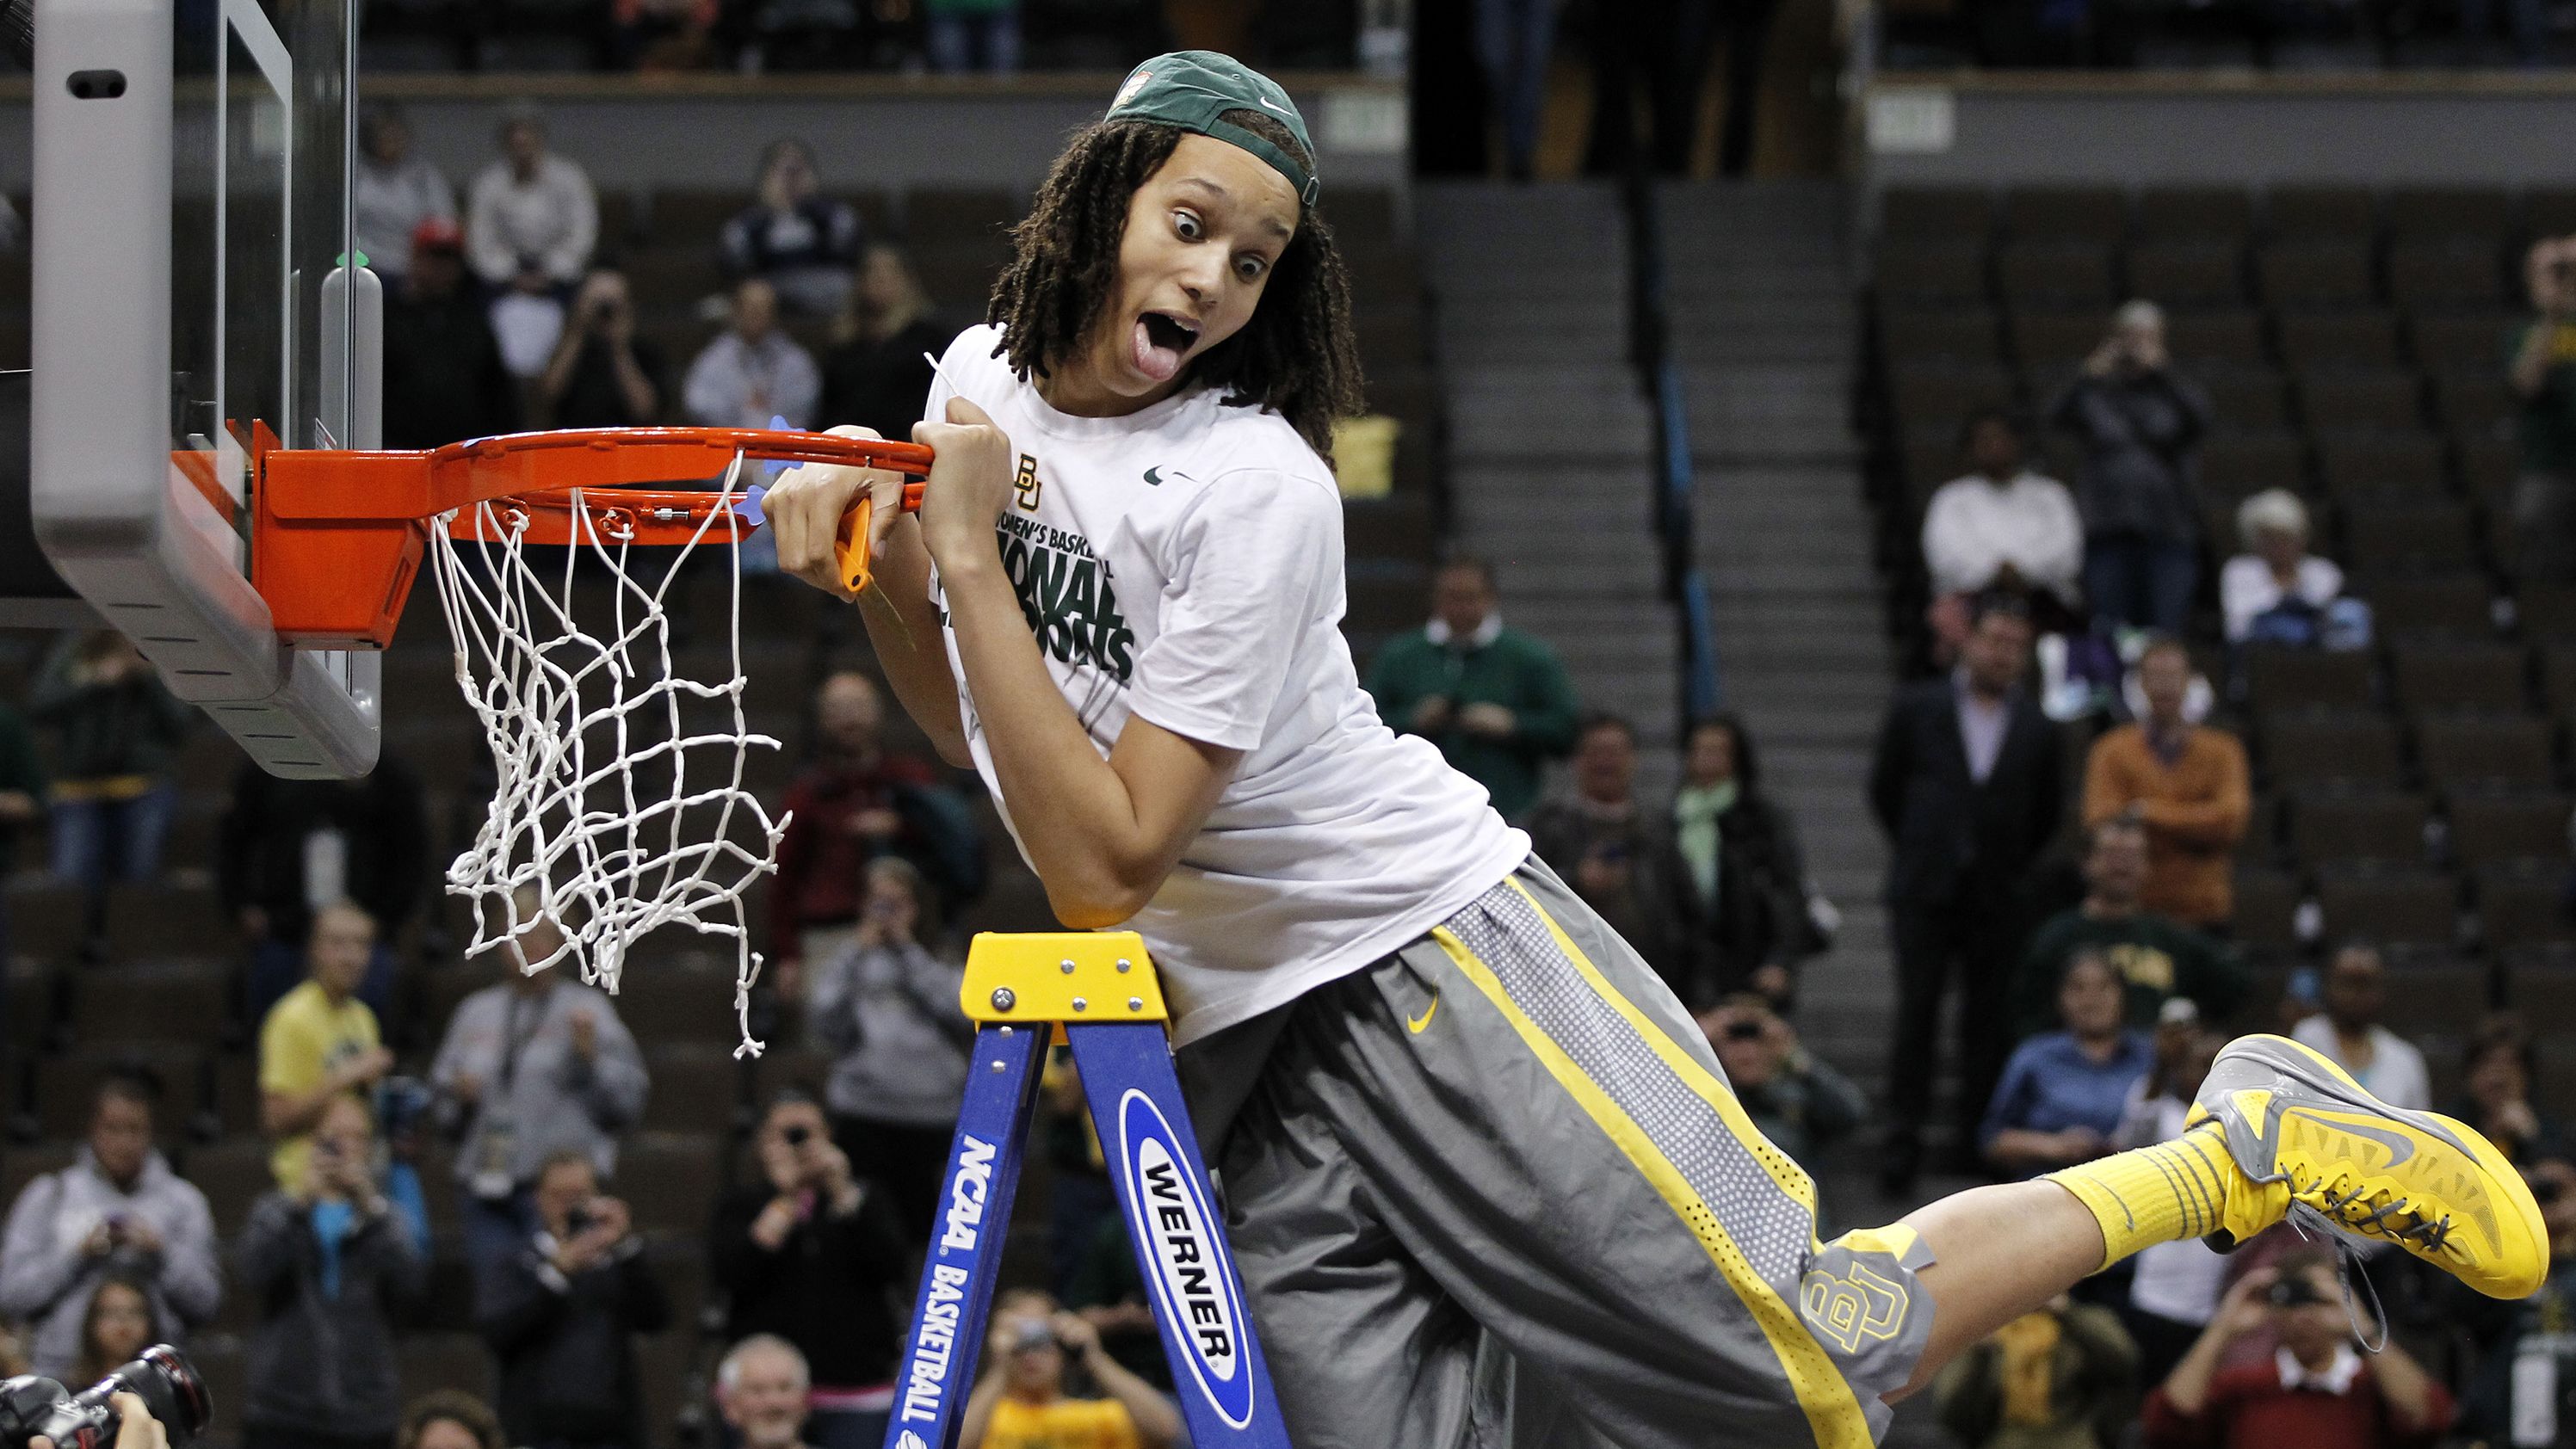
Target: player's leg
(2278, 1131)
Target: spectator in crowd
(857, 801)
(1748, 902)
(394, 191)
(287, 848)
(761, 1390)
(2061, 1377)
(530, 223)
(118, 1325)
(970, 35)
(1109, 1291)
(2173, 1293)
(2186, 783)
(2140, 423)
(561, 1312)
(331, 1267)
(800, 241)
(118, 1213)
(445, 380)
(811, 1255)
(2348, 1030)
(1662, 50)
(2062, 1093)
(603, 375)
(752, 371)
(532, 217)
(117, 733)
(22, 795)
(877, 372)
(2001, 526)
(1514, 41)
(886, 1008)
(1800, 1103)
(320, 1043)
(2276, 585)
(448, 1419)
(1620, 857)
(1081, 1205)
(2157, 958)
(1966, 781)
(2512, 1339)
(2496, 1073)
(532, 1068)
(1495, 700)
(2542, 373)
(1022, 1401)
(2312, 1389)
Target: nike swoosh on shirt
(1415, 1024)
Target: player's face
(1203, 234)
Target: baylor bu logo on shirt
(1027, 483)
(1066, 593)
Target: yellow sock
(2160, 1194)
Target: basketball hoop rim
(337, 534)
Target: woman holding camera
(330, 1267)
(2140, 424)
(810, 1253)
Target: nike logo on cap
(1265, 104)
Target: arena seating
(2353, 344)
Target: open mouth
(1160, 341)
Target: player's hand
(969, 482)
(804, 509)
(135, 1426)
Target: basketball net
(620, 803)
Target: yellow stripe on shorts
(1832, 1411)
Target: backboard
(191, 217)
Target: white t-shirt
(1184, 564)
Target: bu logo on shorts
(1844, 1310)
(1199, 1300)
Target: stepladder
(1096, 993)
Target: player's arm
(805, 510)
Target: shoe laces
(2343, 1204)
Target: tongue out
(1156, 360)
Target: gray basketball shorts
(1493, 1190)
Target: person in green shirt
(2541, 368)
(1495, 700)
(2157, 957)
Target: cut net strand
(599, 824)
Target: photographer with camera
(1022, 1402)
(331, 1265)
(2543, 376)
(2315, 1388)
(812, 1254)
(560, 1316)
(2140, 424)
(117, 1212)
(602, 374)
(1799, 1101)
(156, 1401)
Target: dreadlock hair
(1297, 355)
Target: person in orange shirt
(2185, 782)
(1022, 1404)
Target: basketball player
(1486, 1180)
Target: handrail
(1650, 350)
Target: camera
(1033, 1334)
(797, 1134)
(1743, 1030)
(578, 1221)
(2292, 1292)
(162, 1377)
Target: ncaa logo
(1169, 1212)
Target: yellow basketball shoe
(2323, 1152)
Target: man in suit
(1968, 785)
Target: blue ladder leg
(1219, 1376)
(973, 1221)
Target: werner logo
(925, 1373)
(1169, 1211)
(966, 1197)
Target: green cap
(1192, 88)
